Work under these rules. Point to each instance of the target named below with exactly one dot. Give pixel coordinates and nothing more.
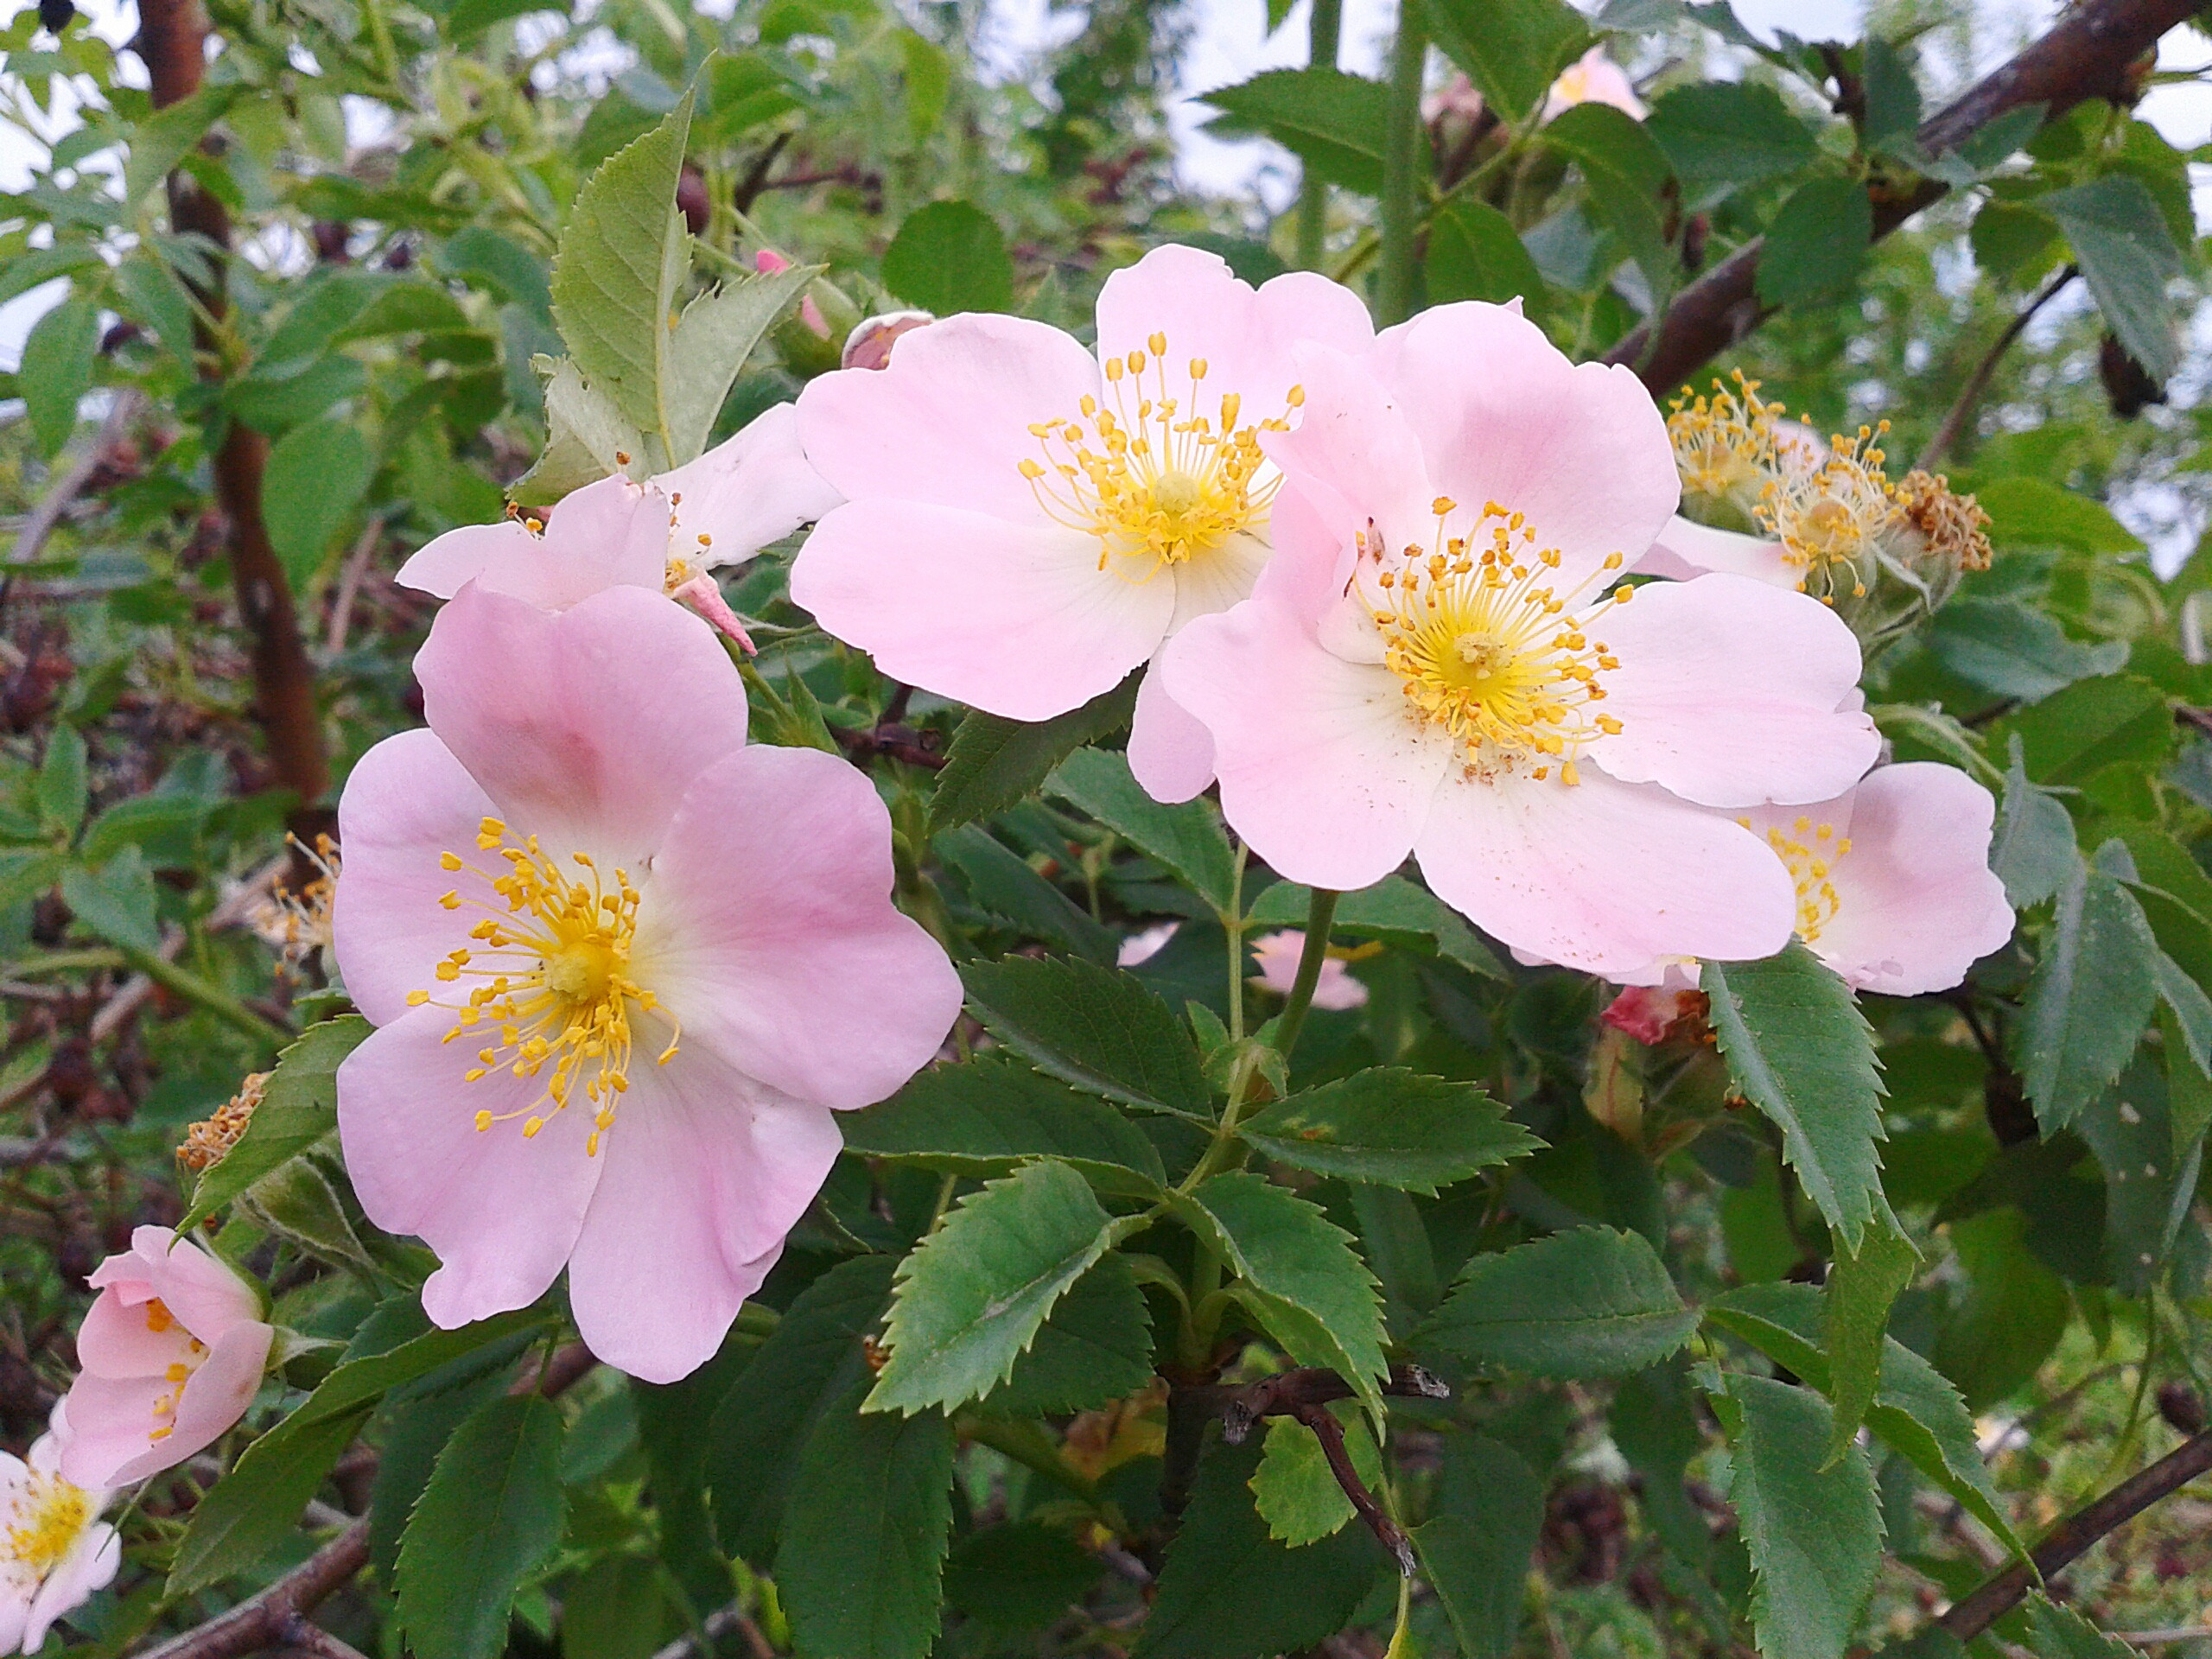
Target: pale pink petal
(406, 801)
(1140, 948)
(1603, 875)
(1016, 619)
(769, 932)
(1354, 456)
(1504, 418)
(706, 1172)
(502, 1212)
(585, 725)
(116, 1340)
(703, 595)
(1728, 694)
(1171, 752)
(948, 421)
(112, 1419)
(1322, 771)
(1277, 955)
(217, 1394)
(1686, 549)
(1313, 563)
(90, 1567)
(18, 1588)
(1918, 904)
(745, 493)
(607, 534)
(1217, 579)
(207, 1297)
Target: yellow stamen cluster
(1724, 444)
(48, 1515)
(691, 561)
(298, 923)
(1487, 647)
(158, 1320)
(1829, 515)
(1811, 852)
(207, 1144)
(554, 983)
(1955, 527)
(1157, 477)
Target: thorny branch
(1954, 419)
(2088, 54)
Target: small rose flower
(1443, 660)
(1593, 78)
(1276, 956)
(55, 1552)
(172, 1350)
(623, 971)
(1025, 522)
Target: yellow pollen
(1485, 644)
(1724, 444)
(1810, 853)
(554, 977)
(158, 1316)
(1828, 517)
(1161, 471)
(46, 1518)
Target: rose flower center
(158, 1320)
(1158, 478)
(1486, 647)
(1829, 517)
(553, 982)
(1811, 851)
(44, 1522)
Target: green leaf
(1592, 1302)
(1511, 49)
(2012, 1315)
(812, 1361)
(1188, 839)
(622, 256)
(1817, 243)
(297, 1200)
(2128, 257)
(168, 136)
(1476, 1547)
(299, 1106)
(1294, 1489)
(254, 1508)
(970, 1298)
(491, 1516)
(864, 1526)
(2032, 850)
(2056, 1632)
(1862, 1284)
(716, 335)
(1333, 121)
(1095, 1027)
(949, 257)
(984, 1117)
(1892, 97)
(1392, 1127)
(1730, 132)
(318, 472)
(2147, 1189)
(1915, 1409)
(63, 790)
(1229, 1591)
(367, 1376)
(1094, 1348)
(994, 762)
(1474, 253)
(999, 881)
(2005, 646)
(1020, 1578)
(2191, 1011)
(1814, 1528)
(1394, 911)
(1799, 1050)
(2035, 513)
(116, 901)
(1314, 1294)
(1628, 176)
(413, 1427)
(2091, 996)
(56, 370)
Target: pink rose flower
(623, 972)
(1593, 79)
(668, 534)
(1440, 660)
(55, 1552)
(1025, 522)
(767, 262)
(172, 1351)
(1276, 956)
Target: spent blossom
(623, 974)
(172, 1350)
(55, 1552)
(1025, 522)
(1444, 660)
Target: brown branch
(2073, 1536)
(1331, 1432)
(173, 41)
(31, 541)
(1954, 419)
(2086, 55)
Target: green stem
(62, 962)
(1324, 31)
(211, 997)
(1320, 913)
(754, 1320)
(1401, 138)
(1232, 922)
(1028, 1444)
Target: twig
(712, 1628)
(122, 410)
(2086, 55)
(891, 740)
(349, 586)
(2073, 1536)
(1330, 1434)
(1977, 383)
(116, 1012)
(1287, 1393)
(300, 1634)
(2159, 1638)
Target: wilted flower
(1026, 523)
(1474, 684)
(868, 347)
(172, 1352)
(1652, 1014)
(55, 1552)
(1276, 957)
(207, 1144)
(623, 971)
(297, 923)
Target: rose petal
(608, 534)
(1686, 549)
(1171, 752)
(745, 493)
